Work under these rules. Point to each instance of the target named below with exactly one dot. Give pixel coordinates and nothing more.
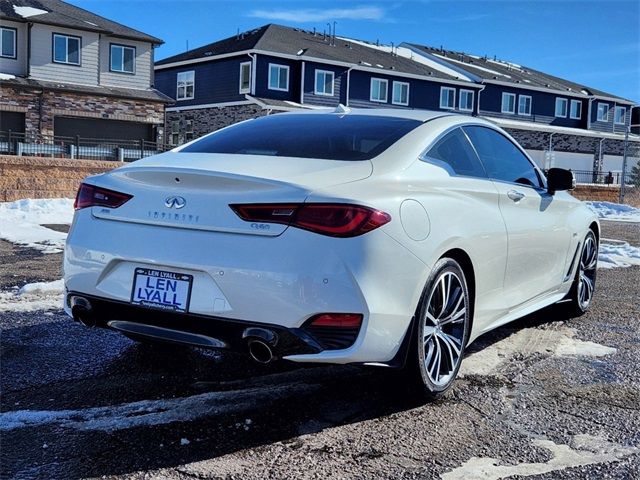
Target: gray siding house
(65, 71)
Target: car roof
(420, 115)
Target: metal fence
(78, 147)
(597, 178)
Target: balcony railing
(78, 147)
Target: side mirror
(560, 179)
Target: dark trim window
(186, 85)
(324, 136)
(400, 93)
(620, 116)
(278, 77)
(66, 49)
(447, 98)
(123, 58)
(245, 77)
(454, 153)
(575, 112)
(603, 112)
(561, 107)
(8, 42)
(324, 83)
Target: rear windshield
(327, 136)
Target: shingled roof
(487, 69)
(304, 44)
(62, 14)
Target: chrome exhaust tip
(81, 311)
(260, 351)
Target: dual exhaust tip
(261, 342)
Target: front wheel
(444, 317)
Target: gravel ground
(546, 397)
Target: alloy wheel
(587, 271)
(444, 328)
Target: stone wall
(41, 107)
(34, 177)
(206, 120)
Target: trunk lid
(194, 190)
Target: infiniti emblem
(175, 202)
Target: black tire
(576, 302)
(441, 332)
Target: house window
(465, 102)
(188, 130)
(66, 49)
(175, 133)
(603, 112)
(186, 85)
(576, 110)
(324, 83)
(123, 59)
(278, 77)
(524, 105)
(379, 88)
(619, 116)
(561, 107)
(508, 103)
(400, 94)
(245, 77)
(447, 97)
(8, 42)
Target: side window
(501, 158)
(456, 152)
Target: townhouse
(65, 71)
(276, 68)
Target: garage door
(103, 129)
(12, 121)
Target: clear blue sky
(596, 43)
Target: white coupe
(378, 237)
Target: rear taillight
(333, 219)
(92, 196)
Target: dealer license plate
(162, 290)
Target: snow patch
(154, 412)
(472, 65)
(33, 297)
(20, 222)
(586, 450)
(527, 342)
(615, 211)
(26, 12)
(6, 76)
(616, 253)
(411, 55)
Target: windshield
(326, 136)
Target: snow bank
(617, 254)
(20, 222)
(615, 211)
(33, 297)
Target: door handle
(515, 195)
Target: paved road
(546, 397)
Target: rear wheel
(581, 294)
(443, 328)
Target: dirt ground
(546, 397)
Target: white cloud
(321, 15)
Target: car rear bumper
(280, 282)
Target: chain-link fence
(630, 185)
